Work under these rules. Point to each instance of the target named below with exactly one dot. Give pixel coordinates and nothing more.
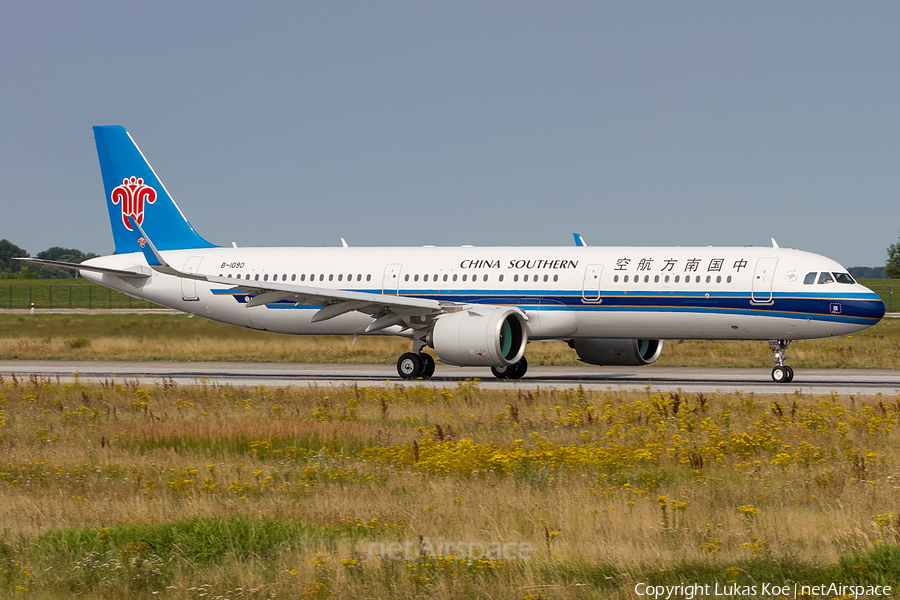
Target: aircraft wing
(387, 310)
(138, 271)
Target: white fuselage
(566, 292)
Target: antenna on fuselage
(774, 243)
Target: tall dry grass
(207, 489)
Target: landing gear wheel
(780, 374)
(501, 372)
(410, 366)
(428, 365)
(515, 371)
(518, 369)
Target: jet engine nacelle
(490, 336)
(603, 352)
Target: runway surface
(688, 379)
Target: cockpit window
(843, 278)
(810, 278)
(825, 278)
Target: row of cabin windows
(687, 279)
(827, 278)
(359, 277)
(454, 277)
(312, 277)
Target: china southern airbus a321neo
(474, 306)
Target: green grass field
(176, 337)
(81, 293)
(123, 492)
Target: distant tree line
(16, 269)
(867, 272)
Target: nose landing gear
(781, 373)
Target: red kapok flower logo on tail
(133, 194)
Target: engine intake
(604, 352)
(488, 336)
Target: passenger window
(331, 277)
(677, 278)
(464, 277)
(843, 278)
(485, 278)
(656, 279)
(555, 278)
(646, 279)
(500, 278)
(708, 279)
(294, 277)
(810, 278)
(718, 279)
(728, 280)
(697, 279)
(445, 277)
(525, 278)
(321, 276)
(341, 277)
(454, 277)
(416, 277)
(625, 279)
(515, 277)
(825, 278)
(256, 278)
(615, 278)
(266, 277)
(359, 277)
(546, 278)
(369, 277)
(406, 277)
(667, 279)
(303, 277)
(425, 278)
(534, 278)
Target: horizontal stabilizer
(139, 271)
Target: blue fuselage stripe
(843, 308)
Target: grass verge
(120, 491)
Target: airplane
(474, 306)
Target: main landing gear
(418, 365)
(414, 365)
(781, 373)
(515, 371)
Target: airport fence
(43, 296)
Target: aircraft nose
(874, 309)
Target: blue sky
(487, 123)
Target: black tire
(518, 370)
(409, 366)
(428, 365)
(790, 375)
(502, 372)
(780, 375)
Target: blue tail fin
(133, 190)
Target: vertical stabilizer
(133, 190)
